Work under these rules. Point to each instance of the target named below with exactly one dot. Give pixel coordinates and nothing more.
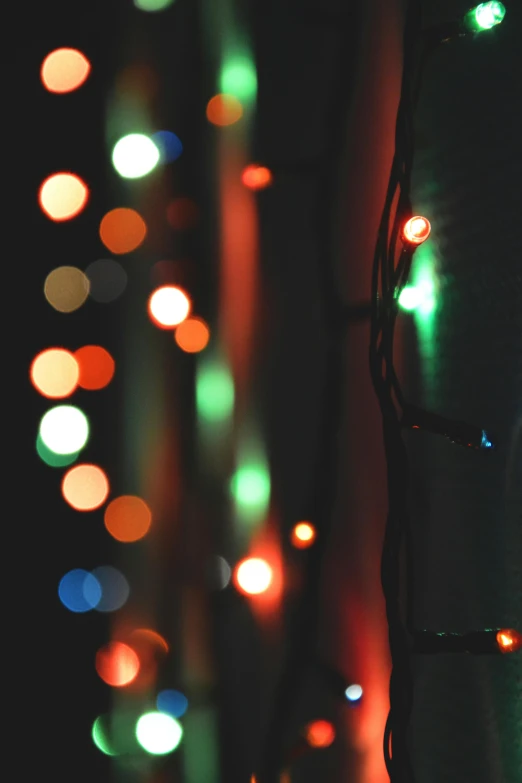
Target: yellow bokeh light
(253, 576)
(303, 535)
(66, 288)
(85, 487)
(62, 196)
(64, 70)
(54, 373)
(168, 306)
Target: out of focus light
(114, 588)
(134, 156)
(152, 5)
(416, 296)
(256, 177)
(64, 429)
(192, 335)
(127, 518)
(62, 196)
(303, 535)
(182, 213)
(168, 144)
(250, 487)
(79, 591)
(168, 306)
(99, 734)
(238, 78)
(353, 693)
(54, 373)
(485, 16)
(416, 230)
(320, 734)
(107, 279)
(224, 110)
(219, 573)
(122, 230)
(253, 576)
(96, 367)
(509, 640)
(214, 391)
(172, 702)
(85, 487)
(158, 733)
(64, 70)
(117, 664)
(66, 288)
(146, 636)
(51, 458)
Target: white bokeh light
(134, 156)
(64, 429)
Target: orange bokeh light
(416, 230)
(182, 213)
(62, 196)
(96, 367)
(117, 664)
(256, 177)
(168, 306)
(224, 109)
(147, 637)
(122, 230)
(85, 487)
(303, 535)
(320, 734)
(509, 640)
(127, 518)
(253, 576)
(64, 70)
(54, 373)
(192, 335)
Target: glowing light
(85, 487)
(192, 335)
(107, 279)
(54, 373)
(127, 518)
(172, 702)
(79, 591)
(251, 487)
(485, 16)
(303, 535)
(66, 288)
(253, 576)
(214, 391)
(64, 429)
(168, 306)
(52, 459)
(509, 640)
(99, 736)
(114, 587)
(64, 70)
(168, 144)
(416, 230)
(158, 733)
(320, 734)
(239, 78)
(96, 367)
(220, 573)
(152, 5)
(182, 214)
(117, 664)
(149, 637)
(62, 196)
(353, 693)
(134, 156)
(256, 177)
(122, 230)
(224, 110)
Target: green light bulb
(485, 16)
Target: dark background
(329, 74)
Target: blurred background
(194, 578)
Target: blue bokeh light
(79, 591)
(172, 702)
(168, 144)
(353, 693)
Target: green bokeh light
(239, 78)
(214, 390)
(158, 733)
(64, 429)
(152, 5)
(135, 156)
(250, 488)
(99, 736)
(417, 296)
(485, 16)
(52, 459)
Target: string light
(416, 230)
(484, 16)
(489, 641)
(458, 432)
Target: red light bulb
(509, 640)
(416, 230)
(256, 177)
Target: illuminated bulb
(158, 733)
(484, 16)
(253, 576)
(134, 156)
(303, 535)
(509, 640)
(320, 734)
(256, 177)
(168, 306)
(353, 693)
(416, 230)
